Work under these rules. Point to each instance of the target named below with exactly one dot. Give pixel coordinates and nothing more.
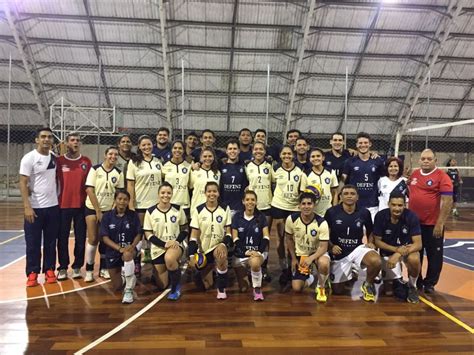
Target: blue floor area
(13, 249)
(459, 252)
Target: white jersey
(41, 172)
(386, 186)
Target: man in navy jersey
(162, 149)
(208, 138)
(273, 151)
(346, 225)
(233, 178)
(337, 156)
(364, 173)
(301, 156)
(397, 233)
(245, 145)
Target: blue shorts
(278, 213)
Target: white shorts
(391, 274)
(373, 211)
(244, 262)
(341, 270)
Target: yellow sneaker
(321, 294)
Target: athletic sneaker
(76, 273)
(368, 291)
(221, 295)
(62, 275)
(89, 276)
(127, 296)
(104, 273)
(32, 280)
(413, 295)
(258, 295)
(428, 289)
(50, 277)
(321, 294)
(174, 296)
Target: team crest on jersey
(327, 180)
(224, 171)
(265, 171)
(429, 182)
(173, 219)
(241, 170)
(219, 219)
(405, 230)
(314, 232)
(216, 177)
(296, 178)
(127, 226)
(338, 221)
(256, 229)
(240, 229)
(373, 169)
(111, 226)
(358, 224)
(356, 168)
(114, 179)
(185, 170)
(158, 166)
(328, 163)
(83, 166)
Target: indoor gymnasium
(236, 176)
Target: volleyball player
(208, 171)
(347, 222)
(144, 175)
(120, 230)
(301, 154)
(245, 145)
(337, 156)
(287, 179)
(166, 228)
(364, 172)
(307, 237)
(272, 151)
(191, 142)
(208, 138)
(397, 233)
(326, 179)
(72, 170)
(233, 178)
(124, 153)
(177, 172)
(456, 179)
(101, 183)
(162, 149)
(251, 238)
(40, 201)
(393, 181)
(211, 235)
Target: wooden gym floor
(73, 316)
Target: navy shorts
(297, 275)
(113, 261)
(91, 212)
(278, 213)
(267, 212)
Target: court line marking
(447, 315)
(55, 294)
(12, 262)
(457, 261)
(12, 238)
(11, 230)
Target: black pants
(67, 216)
(434, 253)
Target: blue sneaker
(174, 296)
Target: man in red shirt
(72, 170)
(431, 198)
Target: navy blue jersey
(232, 185)
(121, 230)
(250, 232)
(397, 234)
(347, 230)
(365, 175)
(336, 163)
(163, 154)
(306, 166)
(454, 175)
(274, 151)
(196, 154)
(245, 156)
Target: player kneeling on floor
(211, 236)
(397, 233)
(165, 226)
(346, 223)
(120, 232)
(251, 238)
(307, 236)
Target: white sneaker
(127, 296)
(104, 273)
(76, 273)
(89, 276)
(62, 275)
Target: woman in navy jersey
(457, 182)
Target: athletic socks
(412, 280)
(221, 280)
(256, 278)
(129, 273)
(90, 255)
(322, 279)
(175, 278)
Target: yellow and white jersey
(164, 224)
(178, 175)
(260, 181)
(287, 187)
(198, 181)
(147, 176)
(327, 180)
(306, 236)
(212, 225)
(104, 183)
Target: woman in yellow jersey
(287, 179)
(166, 228)
(177, 172)
(210, 239)
(101, 183)
(208, 171)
